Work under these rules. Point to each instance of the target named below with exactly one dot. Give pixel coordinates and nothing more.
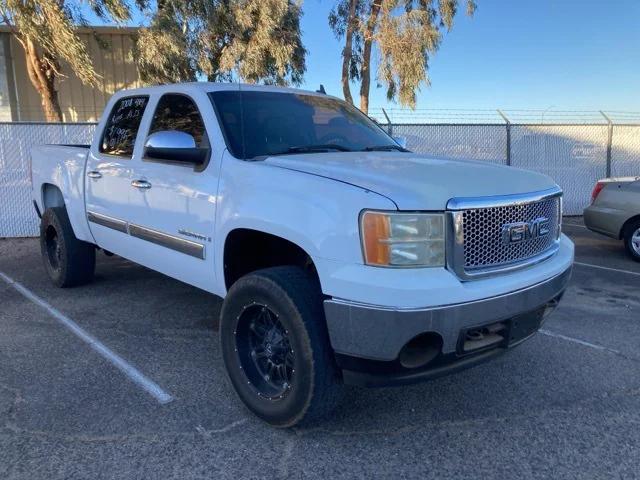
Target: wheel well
(247, 250)
(626, 224)
(51, 197)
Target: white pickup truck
(342, 257)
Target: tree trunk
(42, 73)
(365, 71)
(346, 53)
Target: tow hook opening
(483, 337)
(551, 306)
(420, 350)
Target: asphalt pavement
(565, 404)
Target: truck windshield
(258, 124)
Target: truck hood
(413, 181)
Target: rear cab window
(121, 129)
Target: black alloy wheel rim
(54, 250)
(264, 350)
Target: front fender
(318, 214)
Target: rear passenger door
(108, 172)
(173, 204)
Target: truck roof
(212, 87)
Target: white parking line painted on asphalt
(578, 341)
(573, 225)
(117, 361)
(628, 272)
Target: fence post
(389, 124)
(609, 142)
(508, 126)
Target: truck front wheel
(276, 349)
(68, 261)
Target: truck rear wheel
(276, 348)
(68, 261)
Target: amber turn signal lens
(375, 230)
(402, 239)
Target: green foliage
(255, 40)
(406, 32)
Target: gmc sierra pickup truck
(342, 257)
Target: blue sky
(515, 54)
(538, 54)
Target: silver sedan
(615, 211)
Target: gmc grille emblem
(519, 232)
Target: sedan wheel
(635, 241)
(632, 240)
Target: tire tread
(79, 258)
(304, 292)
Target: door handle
(94, 174)
(141, 184)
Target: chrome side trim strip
(106, 221)
(178, 244)
(469, 203)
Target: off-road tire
(295, 298)
(68, 261)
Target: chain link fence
(17, 215)
(460, 141)
(575, 156)
(625, 150)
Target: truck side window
(179, 112)
(120, 132)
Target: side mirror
(402, 141)
(174, 146)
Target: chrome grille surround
(474, 243)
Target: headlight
(392, 239)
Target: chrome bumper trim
(379, 333)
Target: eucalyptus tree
(46, 29)
(221, 40)
(406, 33)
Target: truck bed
(57, 177)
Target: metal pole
(544, 113)
(508, 126)
(389, 125)
(609, 142)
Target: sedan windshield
(258, 124)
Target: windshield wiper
(324, 147)
(385, 148)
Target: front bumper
(368, 339)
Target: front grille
(482, 230)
